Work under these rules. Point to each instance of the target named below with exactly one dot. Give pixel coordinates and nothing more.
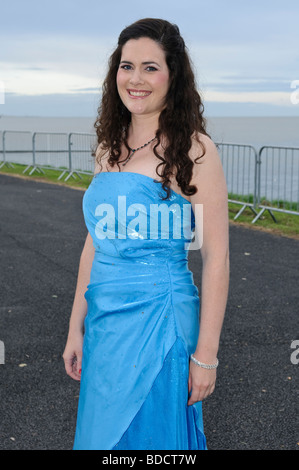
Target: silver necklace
(135, 150)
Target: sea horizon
(256, 131)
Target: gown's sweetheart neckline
(139, 174)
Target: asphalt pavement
(42, 231)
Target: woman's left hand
(201, 383)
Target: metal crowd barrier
(240, 166)
(80, 146)
(278, 180)
(262, 180)
(16, 147)
(49, 150)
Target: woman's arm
(73, 351)
(212, 194)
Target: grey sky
(245, 54)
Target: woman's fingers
(72, 356)
(73, 364)
(79, 364)
(199, 395)
(201, 384)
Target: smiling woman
(151, 57)
(135, 323)
(143, 77)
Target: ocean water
(279, 171)
(256, 131)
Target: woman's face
(143, 77)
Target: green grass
(49, 176)
(287, 224)
(279, 203)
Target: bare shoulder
(203, 147)
(208, 172)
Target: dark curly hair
(179, 121)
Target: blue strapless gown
(142, 322)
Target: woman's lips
(138, 93)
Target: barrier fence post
(8, 164)
(70, 171)
(2, 353)
(34, 165)
(283, 163)
(240, 166)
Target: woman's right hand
(72, 355)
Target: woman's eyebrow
(143, 63)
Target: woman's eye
(149, 68)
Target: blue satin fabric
(142, 322)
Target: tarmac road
(255, 403)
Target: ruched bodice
(149, 225)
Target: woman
(148, 360)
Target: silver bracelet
(204, 366)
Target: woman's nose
(136, 77)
